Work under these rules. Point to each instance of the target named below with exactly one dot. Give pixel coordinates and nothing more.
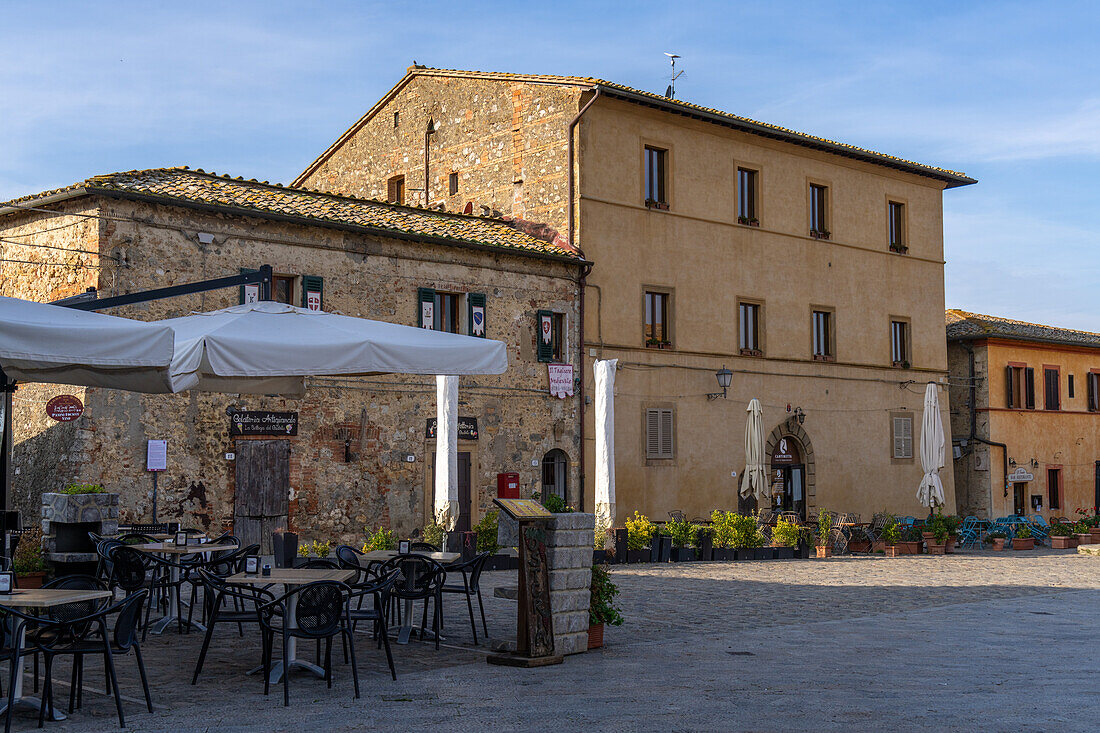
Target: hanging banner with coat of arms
(477, 320)
(546, 328)
(427, 315)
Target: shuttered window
(899, 343)
(658, 433)
(395, 190)
(1092, 380)
(1020, 387)
(1052, 390)
(903, 437)
(313, 288)
(544, 336)
(475, 315)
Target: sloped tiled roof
(964, 326)
(182, 186)
(950, 177)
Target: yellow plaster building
(1026, 406)
(811, 269)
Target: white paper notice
(156, 457)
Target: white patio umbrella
(604, 371)
(930, 492)
(270, 348)
(40, 342)
(754, 479)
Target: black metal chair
(422, 547)
(378, 591)
(247, 600)
(471, 587)
(319, 563)
(419, 579)
(63, 614)
(321, 614)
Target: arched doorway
(555, 474)
(788, 477)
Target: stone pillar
(569, 539)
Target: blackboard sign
(467, 428)
(263, 423)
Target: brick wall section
(505, 140)
(367, 276)
(569, 554)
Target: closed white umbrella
(754, 478)
(40, 342)
(446, 452)
(269, 348)
(605, 442)
(930, 492)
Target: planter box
(950, 547)
(859, 546)
(1023, 544)
(878, 546)
(725, 554)
(826, 550)
(911, 547)
(893, 551)
(1084, 538)
(1094, 532)
(502, 562)
(683, 554)
(765, 553)
(637, 556)
(25, 581)
(784, 553)
(998, 544)
(934, 549)
(595, 636)
(1063, 543)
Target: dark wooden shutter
(424, 295)
(1029, 387)
(240, 296)
(474, 300)
(544, 350)
(312, 284)
(1090, 387)
(1008, 383)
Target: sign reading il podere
(263, 423)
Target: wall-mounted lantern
(724, 377)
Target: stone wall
(383, 417)
(569, 554)
(506, 141)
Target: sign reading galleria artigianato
(263, 423)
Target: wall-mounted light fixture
(1012, 461)
(800, 415)
(724, 377)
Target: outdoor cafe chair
(321, 613)
(66, 611)
(470, 571)
(377, 590)
(423, 547)
(420, 579)
(220, 566)
(245, 610)
(98, 640)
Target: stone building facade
(1025, 422)
(362, 456)
(811, 269)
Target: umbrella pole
(154, 496)
(8, 388)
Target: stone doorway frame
(791, 430)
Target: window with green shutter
(425, 308)
(544, 336)
(313, 288)
(475, 316)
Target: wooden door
(465, 505)
(263, 490)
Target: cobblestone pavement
(1000, 641)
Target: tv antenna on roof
(671, 91)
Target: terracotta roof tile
(196, 187)
(964, 326)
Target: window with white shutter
(658, 433)
(903, 437)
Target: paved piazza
(990, 641)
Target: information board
(523, 508)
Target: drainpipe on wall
(581, 284)
(974, 424)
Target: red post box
(507, 485)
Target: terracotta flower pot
(909, 547)
(859, 546)
(934, 549)
(1084, 538)
(998, 544)
(893, 551)
(1094, 532)
(30, 580)
(950, 547)
(595, 636)
(824, 550)
(878, 546)
(1023, 544)
(1063, 543)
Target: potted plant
(380, 539)
(996, 540)
(1023, 539)
(911, 541)
(601, 606)
(1081, 529)
(722, 524)
(1062, 537)
(29, 560)
(824, 527)
(683, 535)
(952, 522)
(891, 535)
(785, 536)
(639, 536)
(938, 544)
(599, 543)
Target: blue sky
(1007, 92)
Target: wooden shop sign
(65, 408)
(263, 423)
(467, 428)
